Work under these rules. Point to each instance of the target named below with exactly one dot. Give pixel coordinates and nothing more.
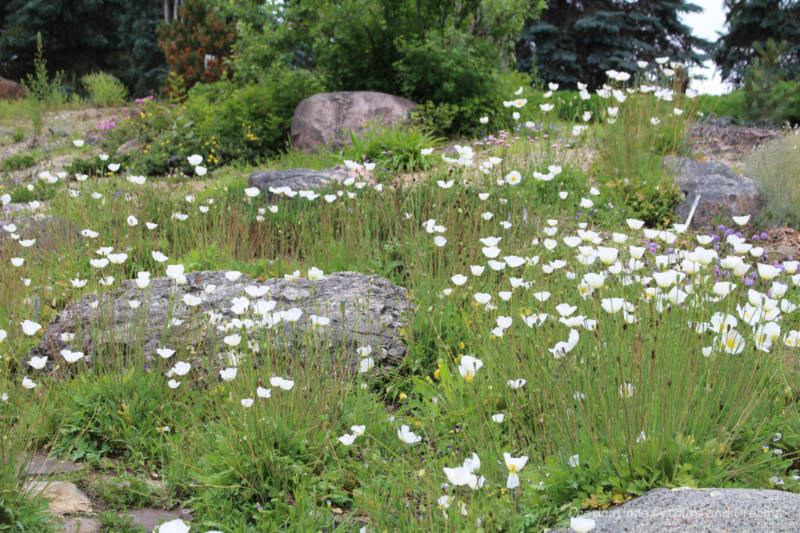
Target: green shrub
(773, 168)
(104, 89)
(18, 162)
(397, 148)
(221, 121)
(630, 153)
(117, 414)
(769, 97)
(722, 105)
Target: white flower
(191, 300)
(181, 368)
(407, 436)
(498, 418)
(28, 383)
(195, 159)
(281, 383)
(439, 241)
(315, 274)
(30, 328)
(347, 439)
(173, 526)
(246, 402)
(70, 356)
(516, 383)
(366, 364)
(228, 374)
(574, 461)
(252, 192)
(37, 363)
(261, 392)
(200, 171)
(468, 366)
(113, 167)
(514, 465)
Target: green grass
(773, 168)
(634, 404)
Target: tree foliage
(578, 40)
(82, 36)
(196, 45)
(756, 21)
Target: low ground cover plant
(567, 347)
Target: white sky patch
(707, 24)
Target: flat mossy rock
(702, 510)
(298, 179)
(362, 310)
(721, 190)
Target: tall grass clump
(105, 90)
(640, 127)
(773, 168)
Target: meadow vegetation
(570, 344)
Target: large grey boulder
(702, 510)
(721, 190)
(325, 119)
(269, 181)
(362, 310)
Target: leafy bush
(220, 121)
(773, 168)
(395, 148)
(195, 45)
(722, 105)
(18, 162)
(104, 89)
(769, 97)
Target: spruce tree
(756, 21)
(578, 40)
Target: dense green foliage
(576, 41)
(755, 21)
(449, 54)
(104, 90)
(83, 36)
(770, 98)
(195, 46)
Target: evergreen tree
(82, 36)
(578, 40)
(756, 21)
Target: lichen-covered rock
(361, 310)
(268, 181)
(701, 510)
(325, 119)
(721, 190)
(50, 231)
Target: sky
(707, 25)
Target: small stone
(42, 465)
(296, 179)
(721, 190)
(128, 147)
(65, 497)
(81, 525)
